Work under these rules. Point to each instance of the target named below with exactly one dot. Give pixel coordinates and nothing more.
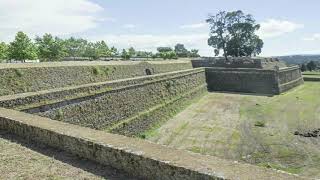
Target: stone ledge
(137, 157)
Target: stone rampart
(240, 62)
(136, 157)
(127, 107)
(242, 80)
(251, 80)
(21, 78)
(289, 77)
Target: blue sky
(287, 26)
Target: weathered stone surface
(128, 107)
(136, 157)
(252, 80)
(20, 78)
(240, 62)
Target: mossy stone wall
(30, 78)
(110, 108)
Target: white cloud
(129, 26)
(150, 42)
(274, 28)
(314, 37)
(59, 17)
(194, 26)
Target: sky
(287, 26)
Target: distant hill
(300, 59)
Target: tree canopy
(311, 66)
(50, 48)
(22, 48)
(181, 51)
(3, 51)
(234, 34)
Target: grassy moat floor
(249, 128)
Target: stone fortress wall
(117, 99)
(128, 107)
(243, 62)
(21, 78)
(253, 75)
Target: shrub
(96, 71)
(59, 114)
(259, 124)
(18, 72)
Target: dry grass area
(22, 160)
(253, 129)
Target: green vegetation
(260, 124)
(22, 48)
(50, 48)
(18, 72)
(234, 34)
(252, 129)
(311, 66)
(3, 51)
(96, 71)
(59, 115)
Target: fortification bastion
(97, 110)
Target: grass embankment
(253, 129)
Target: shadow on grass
(73, 160)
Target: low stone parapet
(136, 157)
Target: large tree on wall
(22, 48)
(234, 34)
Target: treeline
(310, 66)
(300, 59)
(50, 48)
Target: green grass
(253, 129)
(275, 144)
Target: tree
(194, 53)
(50, 48)
(22, 48)
(303, 67)
(132, 52)
(75, 47)
(164, 49)
(114, 51)
(125, 55)
(91, 51)
(234, 34)
(97, 50)
(311, 66)
(102, 49)
(3, 51)
(181, 51)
